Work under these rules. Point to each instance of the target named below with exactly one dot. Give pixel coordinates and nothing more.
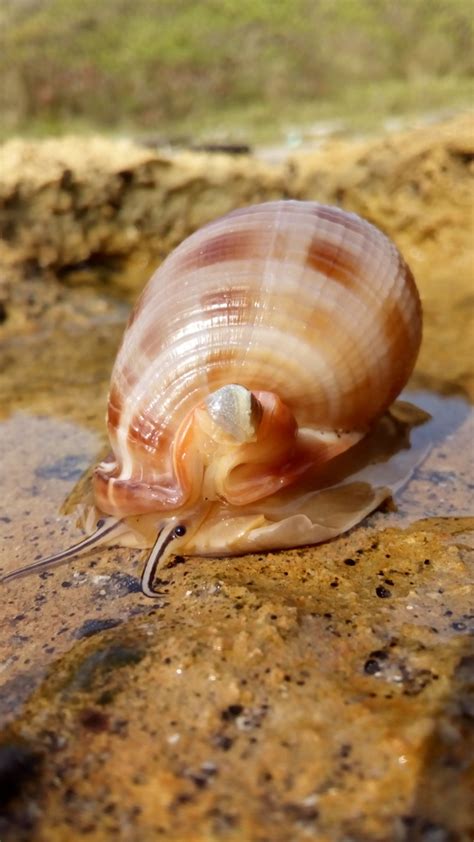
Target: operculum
(240, 446)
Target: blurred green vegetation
(209, 67)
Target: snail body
(264, 350)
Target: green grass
(360, 109)
(218, 69)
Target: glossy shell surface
(294, 299)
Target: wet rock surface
(324, 693)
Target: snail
(254, 369)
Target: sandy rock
(63, 202)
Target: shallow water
(331, 681)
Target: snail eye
(180, 531)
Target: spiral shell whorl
(306, 301)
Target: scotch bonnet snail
(264, 350)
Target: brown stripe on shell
(241, 244)
(114, 407)
(399, 334)
(233, 302)
(334, 262)
(216, 367)
(232, 305)
(143, 432)
(340, 217)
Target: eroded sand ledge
(69, 203)
(66, 201)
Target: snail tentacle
(104, 527)
(157, 556)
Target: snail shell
(268, 343)
(246, 407)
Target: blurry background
(228, 70)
